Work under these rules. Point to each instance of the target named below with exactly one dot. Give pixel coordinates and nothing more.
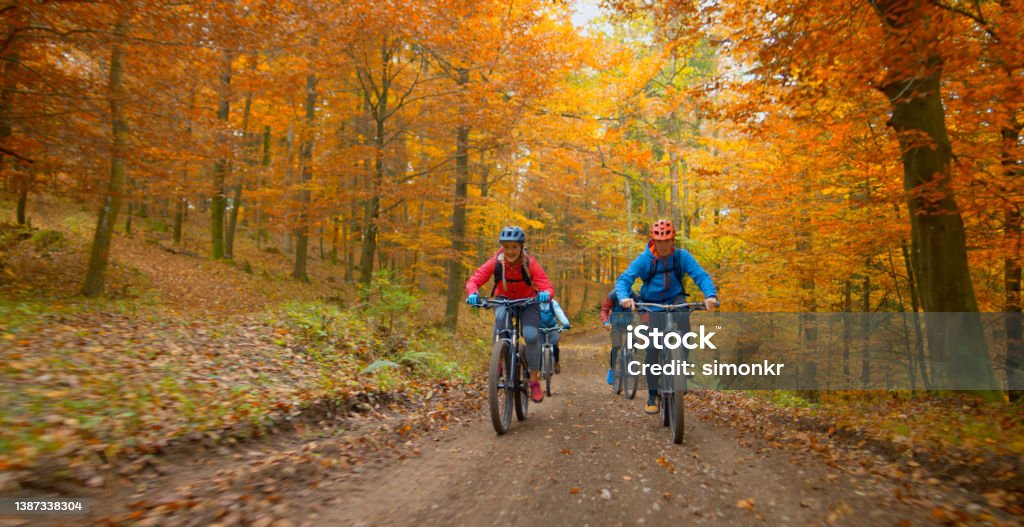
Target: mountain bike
(547, 357)
(671, 388)
(508, 379)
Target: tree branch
(16, 155)
(977, 18)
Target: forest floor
(202, 392)
(582, 457)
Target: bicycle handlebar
(645, 306)
(488, 303)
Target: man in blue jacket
(661, 267)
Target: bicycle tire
(678, 417)
(549, 370)
(666, 409)
(521, 393)
(499, 381)
(632, 382)
(617, 380)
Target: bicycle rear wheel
(631, 382)
(521, 393)
(499, 387)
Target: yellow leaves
(996, 498)
(839, 511)
(55, 394)
(747, 504)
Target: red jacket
(516, 289)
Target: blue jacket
(548, 312)
(662, 287)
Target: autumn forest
(815, 156)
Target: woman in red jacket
(516, 276)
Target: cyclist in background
(661, 267)
(615, 318)
(552, 316)
(516, 275)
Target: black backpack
(499, 272)
(677, 269)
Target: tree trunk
(100, 254)
(229, 234)
(847, 328)
(265, 162)
(673, 176)
(455, 285)
(347, 249)
(236, 189)
(914, 92)
(302, 233)
(11, 63)
(915, 305)
(128, 218)
(866, 330)
(372, 209)
(1012, 271)
(648, 210)
(178, 213)
(629, 208)
(217, 202)
(588, 265)
(22, 183)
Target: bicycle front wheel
(499, 387)
(549, 369)
(678, 416)
(666, 409)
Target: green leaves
(378, 364)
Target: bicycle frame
(672, 403)
(665, 384)
(511, 381)
(546, 346)
(547, 350)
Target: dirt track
(623, 464)
(583, 457)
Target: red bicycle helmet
(663, 230)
